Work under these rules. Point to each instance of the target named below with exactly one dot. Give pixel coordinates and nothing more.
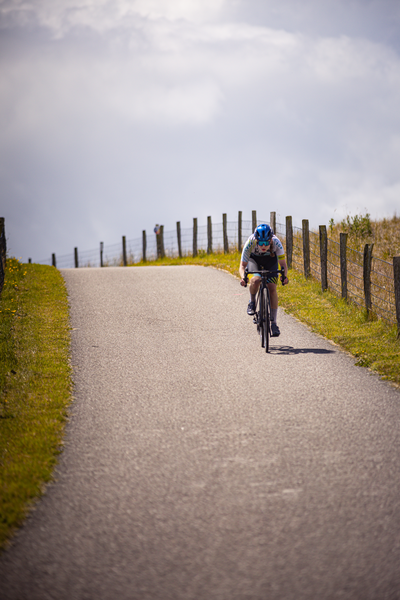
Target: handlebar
(265, 273)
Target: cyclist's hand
(243, 282)
(285, 281)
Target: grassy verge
(35, 385)
(372, 342)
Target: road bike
(262, 316)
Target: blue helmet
(263, 233)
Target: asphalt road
(198, 467)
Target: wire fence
(374, 288)
(113, 253)
(382, 281)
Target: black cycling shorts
(263, 263)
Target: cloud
(374, 20)
(103, 16)
(114, 112)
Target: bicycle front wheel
(260, 316)
(266, 320)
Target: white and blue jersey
(251, 247)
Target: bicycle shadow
(291, 350)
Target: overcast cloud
(117, 114)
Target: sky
(116, 115)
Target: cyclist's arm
(283, 265)
(242, 267)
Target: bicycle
(262, 316)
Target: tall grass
(361, 230)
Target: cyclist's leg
(261, 314)
(273, 294)
(254, 284)
(266, 319)
(252, 268)
(254, 287)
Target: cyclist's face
(263, 248)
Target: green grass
(35, 385)
(373, 342)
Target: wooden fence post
(367, 275)
(239, 231)
(254, 219)
(76, 258)
(209, 236)
(289, 241)
(343, 264)
(225, 232)
(306, 248)
(144, 246)
(178, 235)
(159, 231)
(101, 254)
(396, 274)
(53, 260)
(3, 243)
(323, 253)
(161, 236)
(3, 253)
(30, 261)
(194, 237)
(124, 251)
(158, 245)
(272, 221)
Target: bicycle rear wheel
(266, 320)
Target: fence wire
(382, 281)
(112, 253)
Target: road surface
(196, 467)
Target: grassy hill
(384, 233)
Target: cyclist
(263, 250)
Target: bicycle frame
(262, 317)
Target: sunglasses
(263, 243)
